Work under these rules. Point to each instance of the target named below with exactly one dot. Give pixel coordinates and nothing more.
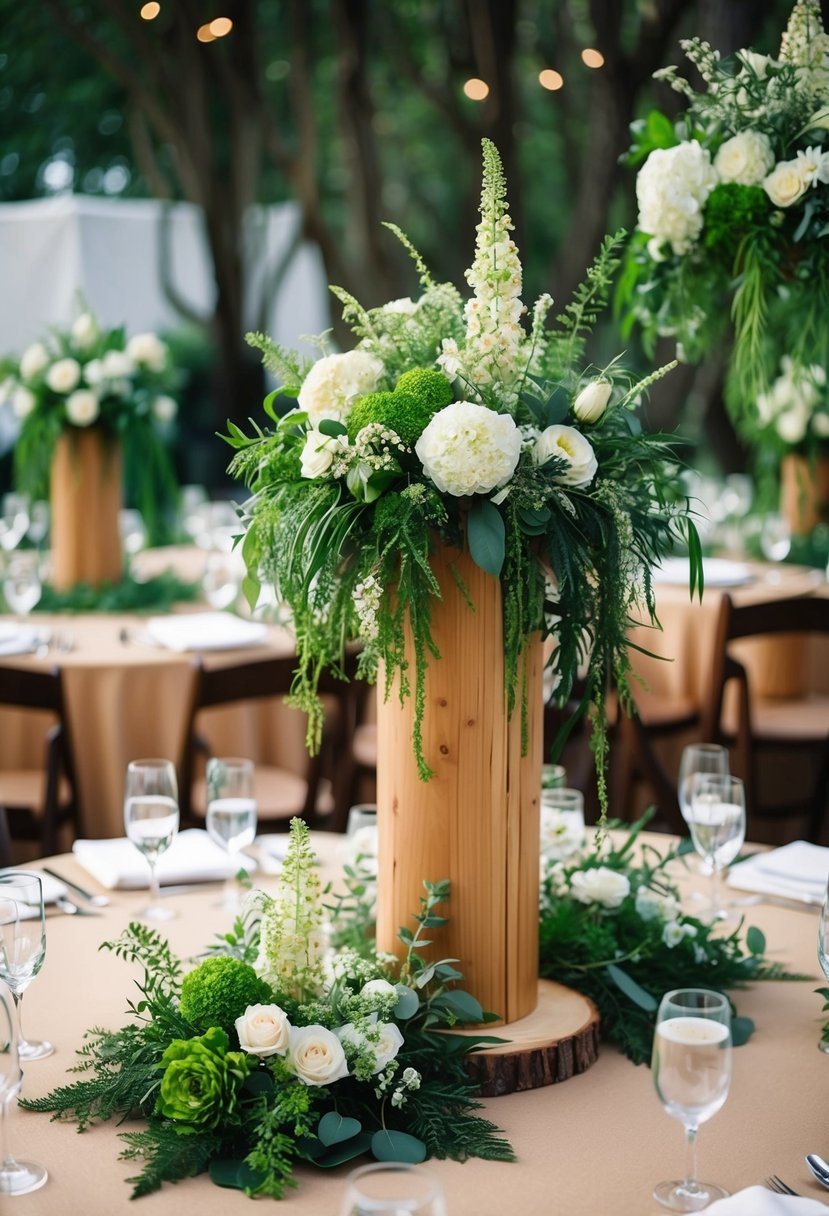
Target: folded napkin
(20, 639)
(718, 572)
(204, 631)
(192, 857)
(757, 1201)
(796, 871)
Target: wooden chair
(39, 802)
(750, 723)
(5, 839)
(280, 793)
(635, 757)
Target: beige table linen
(592, 1146)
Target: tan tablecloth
(592, 1146)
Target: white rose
(263, 1031)
(63, 375)
(82, 407)
(33, 360)
(785, 184)
(164, 408)
(600, 886)
(570, 445)
(469, 449)
(117, 365)
(333, 383)
(147, 350)
(592, 401)
(820, 425)
(319, 452)
(23, 401)
(671, 189)
(746, 158)
(388, 1043)
(84, 330)
(93, 373)
(315, 1055)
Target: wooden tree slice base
(559, 1039)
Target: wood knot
(444, 750)
(470, 722)
(442, 702)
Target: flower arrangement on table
(455, 420)
(86, 377)
(734, 204)
(276, 1051)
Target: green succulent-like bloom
(219, 990)
(730, 211)
(427, 385)
(201, 1082)
(402, 413)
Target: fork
(777, 1184)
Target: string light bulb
(551, 79)
(592, 58)
(476, 90)
(149, 12)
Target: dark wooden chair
(635, 756)
(5, 839)
(38, 802)
(750, 724)
(280, 794)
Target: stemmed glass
(691, 1066)
(392, 1189)
(14, 520)
(221, 579)
(21, 582)
(151, 820)
(22, 946)
(231, 813)
(698, 758)
(718, 826)
(16, 1177)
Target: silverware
(97, 901)
(819, 1168)
(777, 1184)
(69, 906)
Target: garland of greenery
(156, 594)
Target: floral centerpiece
(733, 205)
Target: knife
(97, 901)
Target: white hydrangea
(600, 886)
(335, 382)
(147, 350)
(671, 189)
(568, 444)
(469, 449)
(746, 158)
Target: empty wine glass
(132, 531)
(775, 538)
(392, 1189)
(698, 758)
(16, 1177)
(691, 1066)
(22, 947)
(14, 520)
(562, 822)
(22, 587)
(718, 826)
(151, 820)
(38, 522)
(221, 579)
(231, 814)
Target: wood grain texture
(85, 498)
(477, 821)
(804, 492)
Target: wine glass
(133, 532)
(22, 946)
(151, 820)
(775, 538)
(392, 1189)
(21, 582)
(231, 813)
(691, 1066)
(221, 579)
(698, 758)
(16, 1177)
(14, 520)
(718, 826)
(562, 822)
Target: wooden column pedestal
(804, 492)
(85, 498)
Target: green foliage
(219, 991)
(156, 594)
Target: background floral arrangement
(452, 420)
(734, 203)
(277, 1050)
(93, 377)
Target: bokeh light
(149, 12)
(550, 79)
(476, 90)
(592, 58)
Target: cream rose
(33, 360)
(263, 1031)
(63, 376)
(785, 184)
(147, 350)
(315, 1055)
(23, 401)
(164, 409)
(600, 886)
(592, 401)
(334, 382)
(746, 158)
(570, 445)
(469, 449)
(84, 330)
(319, 452)
(82, 407)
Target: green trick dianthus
(400, 412)
(219, 990)
(426, 385)
(731, 211)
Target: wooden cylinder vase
(85, 498)
(476, 822)
(804, 492)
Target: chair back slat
(24, 688)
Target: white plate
(717, 572)
(205, 631)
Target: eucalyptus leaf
(742, 1029)
(485, 534)
(389, 1145)
(234, 1173)
(334, 1128)
(755, 940)
(408, 1002)
(462, 1004)
(633, 991)
(331, 427)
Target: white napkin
(798, 870)
(192, 857)
(718, 572)
(20, 639)
(758, 1201)
(204, 631)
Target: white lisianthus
(117, 365)
(786, 184)
(334, 382)
(264, 1031)
(164, 409)
(23, 401)
(592, 401)
(84, 330)
(562, 834)
(671, 189)
(33, 360)
(384, 1048)
(469, 449)
(672, 934)
(652, 905)
(147, 350)
(570, 445)
(82, 407)
(756, 63)
(319, 453)
(600, 886)
(746, 158)
(63, 375)
(315, 1055)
